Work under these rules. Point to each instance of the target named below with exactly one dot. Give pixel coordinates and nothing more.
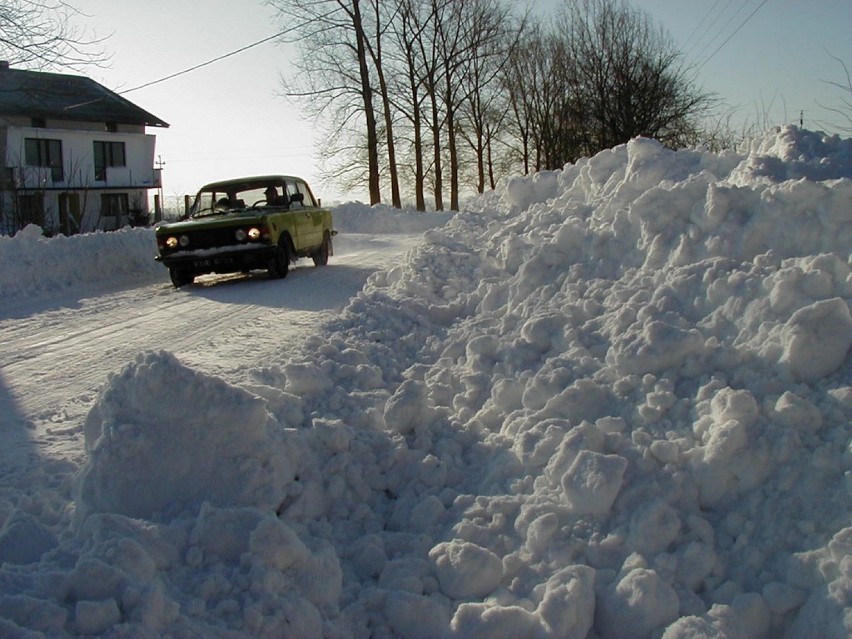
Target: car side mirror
(298, 197)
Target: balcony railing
(117, 177)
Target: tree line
(420, 98)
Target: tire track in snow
(53, 362)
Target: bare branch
(42, 35)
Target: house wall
(23, 121)
(134, 179)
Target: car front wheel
(279, 265)
(180, 277)
(320, 257)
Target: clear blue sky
(226, 119)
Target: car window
(252, 196)
(238, 196)
(204, 203)
(299, 186)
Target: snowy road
(54, 355)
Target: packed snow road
(55, 354)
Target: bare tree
(601, 76)
(489, 33)
(494, 35)
(375, 48)
(430, 55)
(409, 29)
(42, 34)
(844, 110)
(547, 120)
(335, 74)
(627, 76)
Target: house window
(111, 127)
(107, 154)
(113, 210)
(45, 153)
(30, 209)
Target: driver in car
(272, 197)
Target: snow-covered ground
(611, 401)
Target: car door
(308, 215)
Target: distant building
(74, 156)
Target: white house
(75, 156)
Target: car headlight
(184, 240)
(254, 233)
(171, 242)
(240, 235)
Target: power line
(208, 62)
(696, 42)
(703, 20)
(724, 27)
(737, 30)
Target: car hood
(210, 222)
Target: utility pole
(158, 204)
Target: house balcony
(123, 177)
(115, 177)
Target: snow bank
(609, 401)
(35, 266)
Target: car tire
(320, 257)
(180, 277)
(279, 265)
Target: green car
(262, 222)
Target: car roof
(273, 179)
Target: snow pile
(34, 265)
(356, 217)
(611, 401)
(149, 458)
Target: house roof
(66, 97)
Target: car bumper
(224, 261)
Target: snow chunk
(484, 621)
(653, 528)
(94, 617)
(162, 437)
(416, 616)
(593, 482)
(818, 338)
(638, 604)
(466, 570)
(657, 347)
(29, 612)
(568, 606)
(796, 412)
(408, 409)
(23, 540)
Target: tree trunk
(418, 145)
(369, 112)
(436, 142)
(386, 107)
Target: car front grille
(210, 238)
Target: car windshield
(218, 200)
(223, 198)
